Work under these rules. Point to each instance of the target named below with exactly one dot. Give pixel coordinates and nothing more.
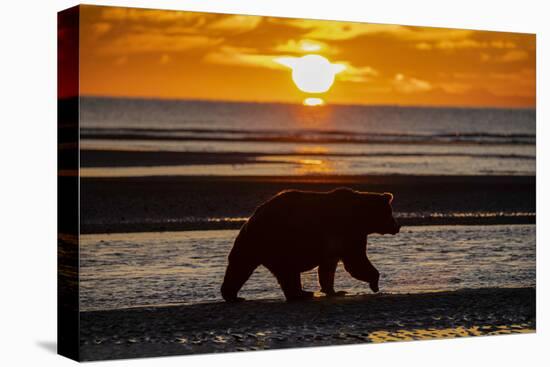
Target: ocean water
(145, 269)
(285, 139)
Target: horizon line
(184, 99)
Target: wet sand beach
(138, 204)
(180, 203)
(188, 203)
(271, 324)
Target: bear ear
(388, 197)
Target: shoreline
(161, 226)
(172, 203)
(105, 158)
(273, 324)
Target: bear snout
(392, 229)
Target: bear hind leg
(325, 273)
(291, 284)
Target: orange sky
(174, 54)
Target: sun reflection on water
(302, 165)
(311, 101)
(318, 149)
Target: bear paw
(337, 294)
(332, 293)
(234, 300)
(303, 295)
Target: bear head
(369, 212)
(381, 218)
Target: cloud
(424, 46)
(427, 34)
(235, 23)
(101, 28)
(342, 30)
(242, 56)
(507, 57)
(503, 44)
(455, 87)
(357, 74)
(292, 62)
(465, 75)
(304, 46)
(513, 83)
(156, 42)
(459, 44)
(333, 30)
(121, 60)
(514, 55)
(518, 83)
(523, 77)
(152, 16)
(238, 56)
(158, 31)
(467, 43)
(182, 21)
(165, 59)
(405, 84)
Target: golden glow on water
(318, 149)
(314, 167)
(314, 116)
(302, 166)
(313, 102)
(311, 161)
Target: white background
(28, 181)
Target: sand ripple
(272, 324)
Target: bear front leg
(236, 275)
(291, 284)
(358, 266)
(325, 273)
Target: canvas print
(243, 183)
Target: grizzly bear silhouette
(296, 231)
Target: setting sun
(312, 73)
